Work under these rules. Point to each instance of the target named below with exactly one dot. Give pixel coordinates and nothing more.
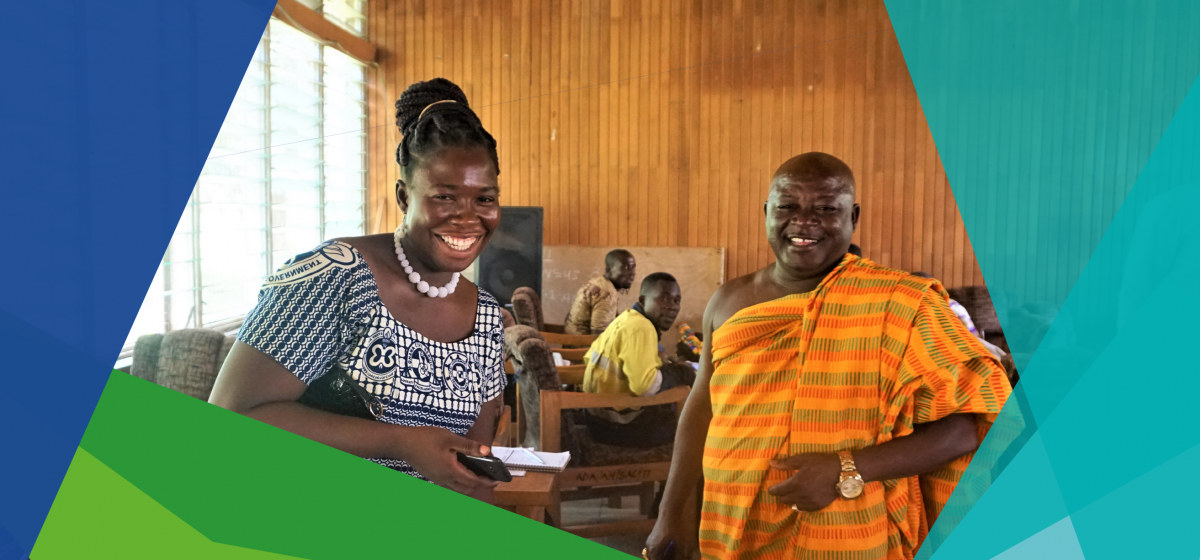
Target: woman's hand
(813, 486)
(433, 453)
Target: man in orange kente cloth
(838, 401)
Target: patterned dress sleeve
(494, 378)
(304, 313)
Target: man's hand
(671, 540)
(813, 486)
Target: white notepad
(519, 458)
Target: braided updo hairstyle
(444, 125)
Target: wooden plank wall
(660, 123)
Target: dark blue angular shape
(110, 110)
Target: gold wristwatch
(850, 483)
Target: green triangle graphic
(243, 483)
(98, 515)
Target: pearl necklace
(415, 277)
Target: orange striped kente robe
(854, 363)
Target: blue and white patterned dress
(322, 308)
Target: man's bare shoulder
(736, 295)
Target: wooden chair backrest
(571, 375)
(527, 308)
(574, 355)
(554, 402)
(581, 340)
(502, 437)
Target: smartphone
(488, 467)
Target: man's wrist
(671, 509)
(849, 483)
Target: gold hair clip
(432, 104)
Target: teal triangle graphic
(1069, 137)
(1023, 501)
(1056, 542)
(1044, 113)
(1154, 516)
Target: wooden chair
(553, 422)
(527, 308)
(572, 375)
(503, 435)
(573, 355)
(569, 375)
(554, 402)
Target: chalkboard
(700, 270)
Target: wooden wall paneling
(876, 181)
(581, 114)
(640, 102)
(589, 134)
(373, 141)
(559, 122)
(648, 138)
(910, 236)
(734, 164)
(658, 136)
(719, 138)
(677, 199)
(621, 50)
(747, 130)
(922, 241)
(725, 155)
(870, 165)
(706, 147)
(376, 99)
(937, 265)
(642, 123)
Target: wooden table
(529, 495)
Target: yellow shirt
(624, 360)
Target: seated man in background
(595, 303)
(628, 360)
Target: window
(287, 171)
(347, 14)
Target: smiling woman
(370, 344)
